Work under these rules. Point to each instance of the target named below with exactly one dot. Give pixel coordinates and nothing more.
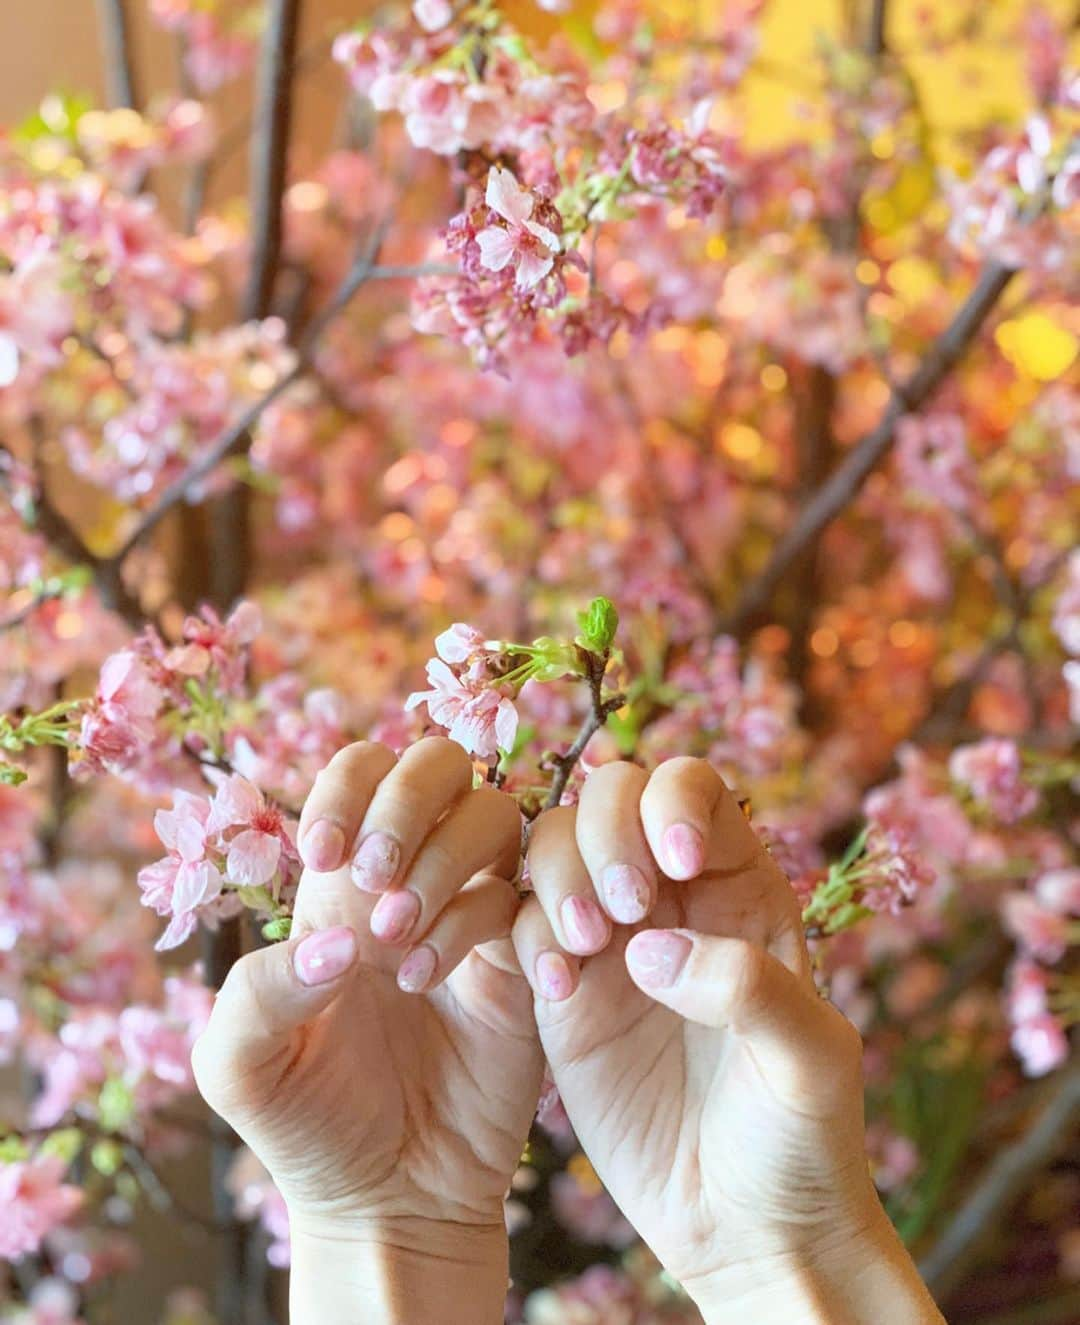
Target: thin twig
(876, 40)
(1006, 1179)
(846, 481)
(120, 76)
(600, 709)
(235, 436)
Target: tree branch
(876, 40)
(234, 437)
(120, 79)
(599, 711)
(270, 153)
(845, 482)
(1006, 1179)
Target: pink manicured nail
(375, 863)
(322, 957)
(553, 978)
(415, 972)
(323, 846)
(626, 892)
(585, 926)
(656, 957)
(684, 852)
(394, 915)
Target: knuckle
(497, 809)
(451, 757)
(619, 776)
(551, 831)
(353, 760)
(746, 973)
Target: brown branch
(1006, 1179)
(600, 709)
(120, 76)
(847, 479)
(234, 438)
(270, 153)
(876, 41)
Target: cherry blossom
(35, 1200)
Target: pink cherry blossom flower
(34, 1199)
(991, 770)
(1041, 1044)
(477, 717)
(120, 723)
(254, 853)
(433, 14)
(186, 880)
(1040, 931)
(531, 246)
(1059, 889)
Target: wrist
(398, 1271)
(854, 1275)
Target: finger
(611, 840)
(430, 777)
(480, 913)
(727, 983)
(692, 820)
(551, 973)
(267, 996)
(338, 801)
(482, 833)
(562, 884)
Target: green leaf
(65, 1143)
(116, 1105)
(277, 929)
(598, 626)
(11, 775)
(107, 1157)
(12, 1149)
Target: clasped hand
(385, 1063)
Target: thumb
(728, 983)
(267, 996)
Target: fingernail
(553, 978)
(394, 915)
(684, 852)
(323, 846)
(626, 892)
(656, 957)
(322, 957)
(375, 863)
(415, 972)
(585, 926)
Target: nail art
(553, 977)
(585, 926)
(323, 956)
(394, 915)
(323, 846)
(656, 957)
(626, 892)
(684, 852)
(375, 863)
(415, 972)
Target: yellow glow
(716, 248)
(864, 653)
(68, 625)
(396, 526)
(903, 634)
(308, 196)
(607, 96)
(1037, 345)
(867, 272)
(740, 441)
(824, 641)
(773, 377)
(584, 1174)
(913, 279)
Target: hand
(718, 1096)
(383, 1063)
